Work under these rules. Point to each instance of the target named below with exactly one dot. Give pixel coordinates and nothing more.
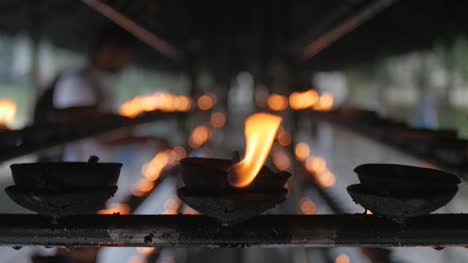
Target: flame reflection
(260, 130)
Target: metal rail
(33, 139)
(333, 118)
(262, 231)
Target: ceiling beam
(324, 40)
(146, 36)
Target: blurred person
(85, 94)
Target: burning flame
(277, 102)
(260, 130)
(303, 100)
(163, 101)
(7, 112)
(325, 102)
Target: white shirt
(80, 89)
(83, 88)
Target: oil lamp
(235, 190)
(63, 188)
(401, 192)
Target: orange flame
(284, 139)
(281, 160)
(218, 120)
(142, 187)
(277, 102)
(307, 207)
(326, 179)
(7, 112)
(302, 151)
(200, 135)
(152, 170)
(145, 251)
(303, 100)
(189, 211)
(171, 206)
(206, 102)
(260, 130)
(325, 102)
(342, 259)
(122, 209)
(318, 167)
(163, 101)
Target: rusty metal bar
(262, 231)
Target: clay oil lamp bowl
(232, 191)
(401, 192)
(207, 189)
(63, 188)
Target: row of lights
(166, 102)
(315, 165)
(163, 101)
(202, 133)
(305, 100)
(152, 170)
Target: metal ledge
(262, 231)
